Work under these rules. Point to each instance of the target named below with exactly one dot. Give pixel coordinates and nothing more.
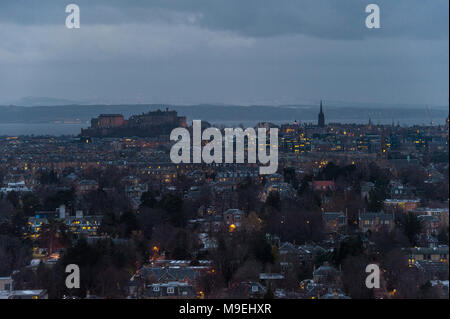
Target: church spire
(321, 121)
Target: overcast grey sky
(225, 51)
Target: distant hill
(43, 101)
(229, 113)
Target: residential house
(376, 221)
(323, 185)
(436, 254)
(170, 290)
(334, 221)
(326, 274)
(440, 213)
(248, 290)
(85, 186)
(18, 187)
(403, 205)
(233, 218)
(78, 224)
(430, 224)
(7, 291)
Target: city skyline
(224, 157)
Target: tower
(321, 122)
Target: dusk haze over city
(220, 158)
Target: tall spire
(321, 121)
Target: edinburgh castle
(153, 123)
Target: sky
(247, 52)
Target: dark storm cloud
(255, 18)
(230, 51)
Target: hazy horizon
(55, 102)
(69, 119)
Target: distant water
(53, 129)
(408, 122)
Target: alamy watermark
(372, 20)
(73, 279)
(220, 149)
(373, 279)
(73, 19)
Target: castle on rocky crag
(149, 124)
